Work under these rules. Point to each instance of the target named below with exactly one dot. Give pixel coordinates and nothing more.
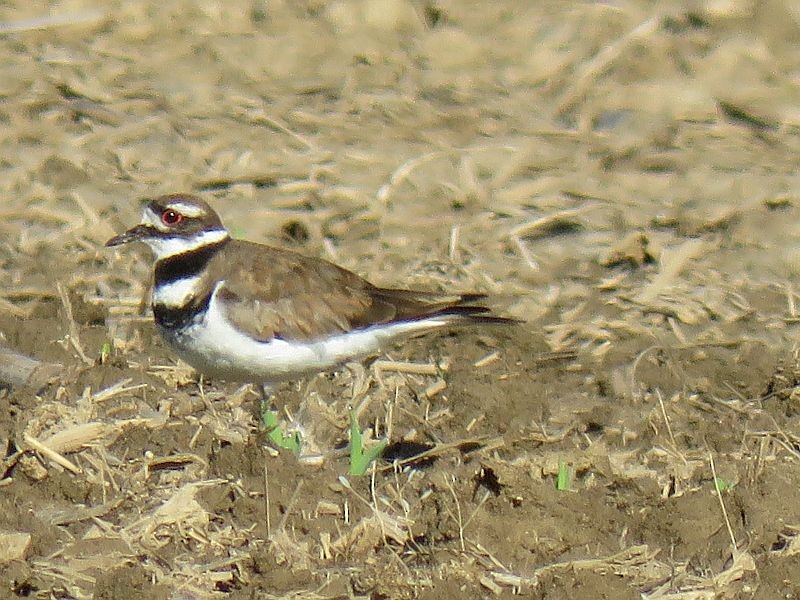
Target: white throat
(172, 246)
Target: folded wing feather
(298, 298)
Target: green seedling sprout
(563, 479)
(105, 352)
(360, 457)
(721, 485)
(292, 441)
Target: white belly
(215, 348)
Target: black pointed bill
(134, 234)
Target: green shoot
(361, 457)
(721, 485)
(292, 441)
(105, 352)
(563, 479)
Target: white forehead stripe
(150, 218)
(170, 246)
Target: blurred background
(622, 173)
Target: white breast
(214, 347)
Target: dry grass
(621, 179)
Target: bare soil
(620, 176)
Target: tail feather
(410, 305)
(473, 314)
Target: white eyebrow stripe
(187, 210)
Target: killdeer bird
(248, 312)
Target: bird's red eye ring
(171, 217)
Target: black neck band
(187, 264)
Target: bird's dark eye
(171, 217)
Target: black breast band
(177, 318)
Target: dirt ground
(622, 176)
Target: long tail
(472, 314)
(412, 305)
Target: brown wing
(284, 294)
(278, 293)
